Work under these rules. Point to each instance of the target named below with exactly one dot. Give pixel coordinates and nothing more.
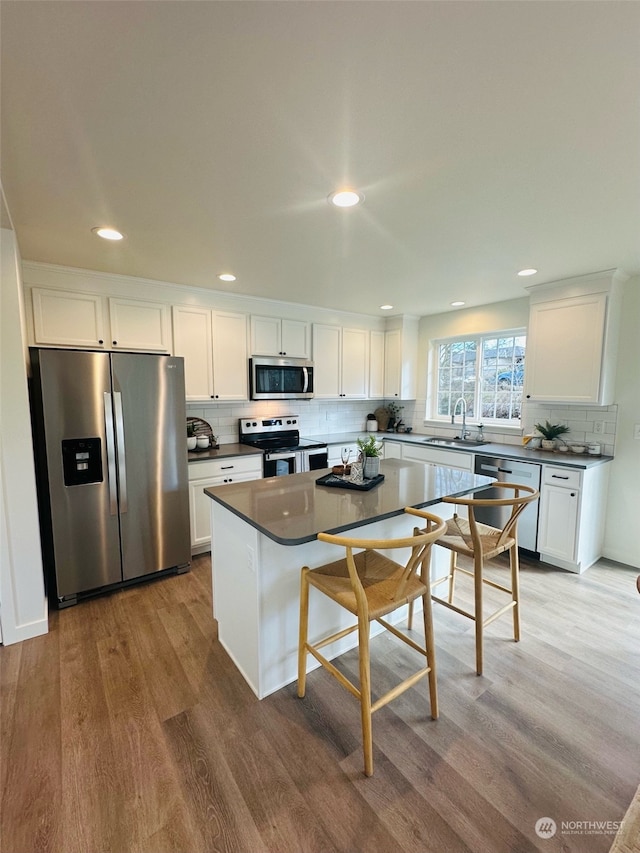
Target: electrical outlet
(636, 432)
(598, 427)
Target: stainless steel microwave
(281, 378)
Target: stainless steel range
(284, 451)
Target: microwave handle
(305, 373)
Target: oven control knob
(248, 424)
(255, 423)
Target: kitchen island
(264, 531)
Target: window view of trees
(487, 372)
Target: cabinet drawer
(569, 477)
(224, 467)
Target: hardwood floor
(127, 728)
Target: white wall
(23, 612)
(622, 541)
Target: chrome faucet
(465, 432)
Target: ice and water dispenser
(82, 461)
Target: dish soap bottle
(480, 433)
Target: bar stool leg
(514, 563)
(303, 631)
(365, 694)
(477, 582)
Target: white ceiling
(486, 136)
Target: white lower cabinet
(446, 458)
(204, 475)
(572, 513)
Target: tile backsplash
(326, 417)
(317, 417)
(581, 420)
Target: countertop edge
(503, 451)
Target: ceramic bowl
(578, 448)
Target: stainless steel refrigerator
(111, 461)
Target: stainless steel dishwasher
(522, 474)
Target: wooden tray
(338, 483)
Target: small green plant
(550, 431)
(369, 446)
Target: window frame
(479, 339)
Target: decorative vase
(371, 467)
(548, 444)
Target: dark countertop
(292, 510)
(502, 451)
(223, 452)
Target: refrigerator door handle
(111, 453)
(122, 465)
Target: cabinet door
(376, 365)
(354, 363)
(392, 363)
(327, 358)
(557, 534)
(200, 507)
(192, 341)
(564, 349)
(139, 325)
(392, 450)
(68, 319)
(265, 336)
(230, 361)
(296, 338)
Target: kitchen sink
(455, 442)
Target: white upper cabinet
(327, 359)
(572, 340)
(376, 364)
(62, 318)
(401, 358)
(341, 362)
(273, 336)
(137, 325)
(192, 340)
(74, 319)
(230, 361)
(214, 347)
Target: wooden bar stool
(370, 586)
(482, 542)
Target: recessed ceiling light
(346, 198)
(457, 304)
(528, 272)
(386, 307)
(108, 233)
(226, 276)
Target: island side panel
(234, 561)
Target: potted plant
(550, 432)
(370, 452)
